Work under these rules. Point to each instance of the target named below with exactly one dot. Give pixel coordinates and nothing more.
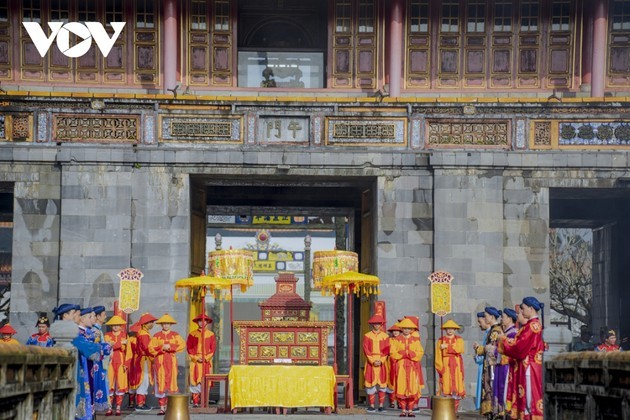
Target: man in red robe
(119, 364)
(376, 350)
(527, 349)
(145, 357)
(407, 351)
(164, 345)
(610, 343)
(200, 353)
(449, 363)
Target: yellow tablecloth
(282, 386)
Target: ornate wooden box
(294, 342)
(285, 335)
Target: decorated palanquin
(285, 335)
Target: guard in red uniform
(6, 335)
(527, 349)
(145, 356)
(200, 354)
(376, 350)
(135, 371)
(164, 345)
(407, 351)
(391, 376)
(118, 365)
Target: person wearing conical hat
(6, 335)
(449, 363)
(119, 364)
(42, 337)
(407, 352)
(145, 356)
(395, 331)
(200, 353)
(135, 370)
(375, 372)
(164, 345)
(416, 335)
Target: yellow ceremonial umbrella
(350, 282)
(202, 285)
(237, 267)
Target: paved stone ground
(357, 414)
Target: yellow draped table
(283, 386)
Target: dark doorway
(605, 213)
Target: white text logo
(85, 31)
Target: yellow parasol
(204, 284)
(237, 267)
(350, 282)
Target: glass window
(560, 18)
(4, 13)
(476, 19)
(419, 16)
(503, 16)
(221, 15)
(620, 11)
(59, 11)
(198, 15)
(343, 13)
(114, 11)
(270, 69)
(145, 14)
(366, 16)
(529, 16)
(87, 11)
(450, 16)
(31, 11)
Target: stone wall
(81, 216)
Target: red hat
(376, 319)
(146, 317)
(135, 328)
(394, 327)
(202, 316)
(7, 329)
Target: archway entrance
(273, 218)
(598, 216)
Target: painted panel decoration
(489, 133)
(390, 132)
(16, 127)
(594, 133)
(207, 129)
(96, 128)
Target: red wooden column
(170, 45)
(587, 47)
(600, 28)
(395, 47)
